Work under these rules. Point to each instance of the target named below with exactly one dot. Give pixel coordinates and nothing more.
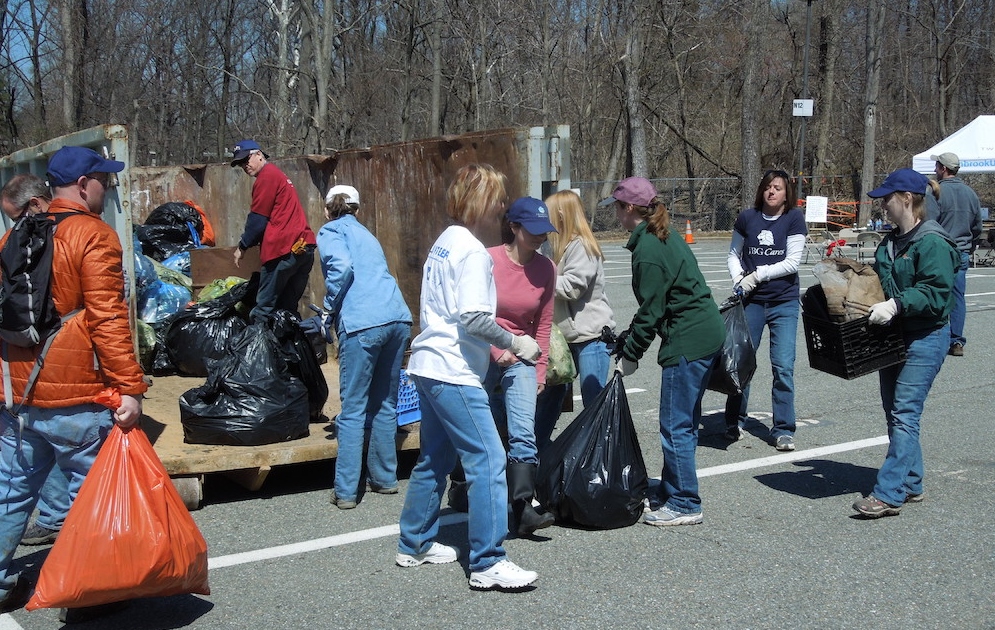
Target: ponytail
(935, 187)
(657, 218)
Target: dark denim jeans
(959, 314)
(781, 318)
(282, 283)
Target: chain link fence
(711, 204)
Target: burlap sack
(851, 287)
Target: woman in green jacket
(916, 264)
(675, 304)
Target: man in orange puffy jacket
(60, 424)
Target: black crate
(852, 349)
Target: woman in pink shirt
(525, 282)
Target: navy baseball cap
(243, 149)
(531, 214)
(70, 163)
(902, 180)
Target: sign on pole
(816, 209)
(802, 107)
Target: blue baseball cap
(531, 214)
(902, 180)
(70, 163)
(243, 149)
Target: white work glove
(735, 281)
(749, 283)
(883, 312)
(525, 348)
(625, 366)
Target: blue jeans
(781, 318)
(282, 283)
(456, 423)
(53, 502)
(518, 393)
(69, 438)
(369, 374)
(959, 314)
(593, 362)
(681, 388)
(903, 394)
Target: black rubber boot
(458, 500)
(521, 488)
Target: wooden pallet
(187, 464)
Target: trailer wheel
(191, 490)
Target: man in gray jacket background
(959, 212)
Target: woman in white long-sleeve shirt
(767, 244)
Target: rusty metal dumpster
(403, 188)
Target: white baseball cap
(351, 194)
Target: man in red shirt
(276, 223)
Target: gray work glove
(525, 348)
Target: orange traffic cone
(688, 236)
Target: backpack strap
(35, 370)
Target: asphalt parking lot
(779, 546)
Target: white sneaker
(664, 517)
(436, 554)
(505, 574)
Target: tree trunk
(750, 107)
(73, 17)
(831, 46)
(637, 131)
(875, 35)
(435, 40)
(282, 12)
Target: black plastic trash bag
(250, 397)
(200, 333)
(593, 473)
(161, 365)
(303, 362)
(171, 228)
(737, 362)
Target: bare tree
(829, 43)
(750, 104)
(875, 33)
(74, 18)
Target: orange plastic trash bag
(127, 535)
(109, 397)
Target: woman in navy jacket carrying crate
(916, 263)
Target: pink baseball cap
(635, 190)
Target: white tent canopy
(974, 144)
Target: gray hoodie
(581, 308)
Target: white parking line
(630, 390)
(452, 519)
